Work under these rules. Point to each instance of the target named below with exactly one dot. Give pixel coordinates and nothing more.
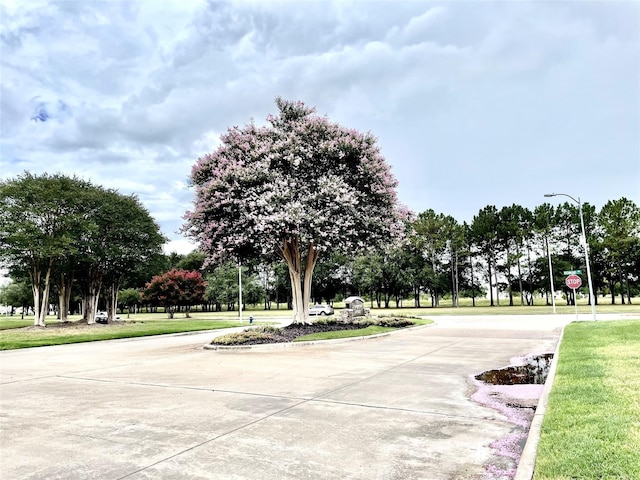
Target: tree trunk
(509, 278)
(454, 279)
(473, 282)
(612, 288)
(520, 278)
(490, 280)
(300, 286)
(93, 294)
(529, 277)
(312, 258)
(112, 299)
(35, 275)
(495, 274)
(40, 293)
(64, 284)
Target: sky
(473, 103)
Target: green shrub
(392, 322)
(260, 334)
(327, 321)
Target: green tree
(620, 223)
(192, 261)
(368, 276)
(222, 286)
(16, 294)
(484, 235)
(128, 298)
(41, 220)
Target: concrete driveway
(395, 407)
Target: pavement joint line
(317, 398)
(193, 447)
(10, 382)
(400, 409)
(393, 368)
(301, 400)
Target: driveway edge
(527, 463)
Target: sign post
(574, 282)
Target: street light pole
(585, 245)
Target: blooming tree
(300, 186)
(176, 288)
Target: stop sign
(573, 281)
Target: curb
(282, 346)
(526, 466)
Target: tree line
(502, 253)
(67, 237)
(60, 233)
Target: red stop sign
(573, 281)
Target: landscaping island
(322, 329)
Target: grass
(14, 322)
(361, 332)
(591, 429)
(22, 338)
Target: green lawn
(22, 338)
(591, 429)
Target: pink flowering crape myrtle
(300, 186)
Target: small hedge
(270, 334)
(264, 334)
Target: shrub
(327, 321)
(264, 334)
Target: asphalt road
(394, 407)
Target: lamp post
(592, 298)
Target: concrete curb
(527, 463)
(281, 346)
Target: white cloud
(473, 103)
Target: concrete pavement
(396, 407)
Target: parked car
(321, 310)
(102, 317)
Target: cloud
(467, 99)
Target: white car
(321, 310)
(102, 317)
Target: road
(394, 407)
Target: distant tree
(332, 275)
(192, 261)
(368, 276)
(222, 287)
(128, 298)
(620, 223)
(176, 288)
(301, 187)
(484, 235)
(16, 294)
(429, 238)
(41, 220)
(543, 226)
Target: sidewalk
(395, 407)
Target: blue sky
(473, 103)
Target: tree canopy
(60, 229)
(300, 186)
